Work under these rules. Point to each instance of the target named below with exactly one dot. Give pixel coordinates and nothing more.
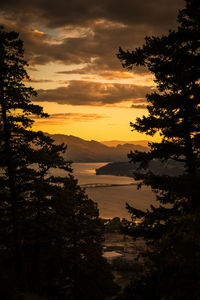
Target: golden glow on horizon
(100, 122)
(72, 59)
(114, 122)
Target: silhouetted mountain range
(114, 143)
(80, 150)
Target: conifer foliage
(50, 232)
(174, 113)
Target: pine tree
(50, 231)
(20, 149)
(173, 112)
(78, 238)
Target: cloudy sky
(71, 48)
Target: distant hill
(80, 150)
(114, 143)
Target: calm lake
(112, 192)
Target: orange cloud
(61, 118)
(110, 75)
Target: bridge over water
(96, 185)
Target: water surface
(112, 199)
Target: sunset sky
(71, 48)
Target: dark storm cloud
(61, 12)
(98, 48)
(105, 25)
(93, 93)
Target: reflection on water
(86, 174)
(118, 191)
(112, 200)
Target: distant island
(117, 169)
(170, 168)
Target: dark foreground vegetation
(172, 263)
(50, 232)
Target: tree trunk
(12, 186)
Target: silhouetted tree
(174, 113)
(78, 237)
(50, 234)
(20, 149)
